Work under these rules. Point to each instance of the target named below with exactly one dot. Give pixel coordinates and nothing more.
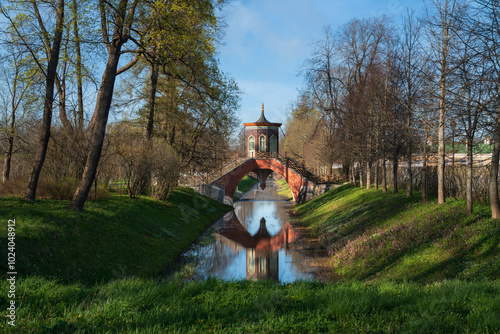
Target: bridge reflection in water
(262, 249)
(252, 242)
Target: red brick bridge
(303, 183)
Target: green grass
(404, 267)
(147, 306)
(284, 189)
(373, 236)
(245, 185)
(112, 238)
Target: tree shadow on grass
(459, 262)
(354, 218)
(481, 253)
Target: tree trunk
(424, 174)
(8, 158)
(409, 186)
(470, 164)
(79, 75)
(353, 173)
(384, 175)
(368, 175)
(493, 186)
(153, 83)
(395, 173)
(441, 159)
(375, 181)
(360, 164)
(10, 145)
(81, 144)
(101, 113)
(43, 140)
(441, 125)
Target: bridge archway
(263, 167)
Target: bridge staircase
(226, 168)
(299, 168)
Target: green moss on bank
(113, 237)
(375, 236)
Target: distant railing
(262, 155)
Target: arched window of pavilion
(262, 143)
(273, 144)
(251, 145)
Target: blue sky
(267, 41)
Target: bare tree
(411, 58)
(485, 18)
(17, 98)
(473, 94)
(52, 46)
(114, 38)
(442, 27)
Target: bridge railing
(300, 168)
(265, 155)
(289, 162)
(226, 168)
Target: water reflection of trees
(218, 256)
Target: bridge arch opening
(263, 168)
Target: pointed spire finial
(262, 107)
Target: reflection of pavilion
(262, 249)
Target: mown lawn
(285, 189)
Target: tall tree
(17, 99)
(115, 36)
(442, 27)
(486, 24)
(52, 45)
(411, 66)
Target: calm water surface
(252, 241)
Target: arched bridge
(303, 183)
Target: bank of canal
(256, 240)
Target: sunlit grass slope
(245, 185)
(375, 236)
(113, 237)
(284, 189)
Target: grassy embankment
(138, 303)
(284, 189)
(113, 237)
(245, 185)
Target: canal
(253, 241)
